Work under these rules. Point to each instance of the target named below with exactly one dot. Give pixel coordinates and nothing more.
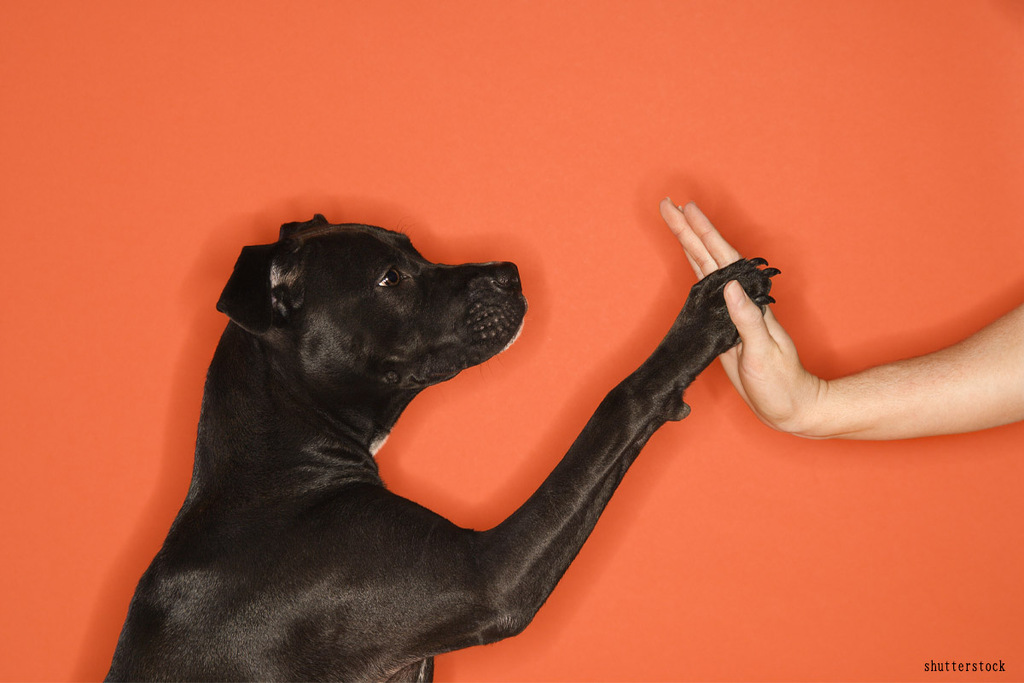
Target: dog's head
(357, 301)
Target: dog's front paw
(705, 314)
(702, 331)
(755, 280)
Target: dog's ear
(290, 230)
(246, 297)
(259, 292)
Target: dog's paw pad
(679, 411)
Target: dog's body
(289, 559)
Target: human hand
(764, 367)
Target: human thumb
(747, 317)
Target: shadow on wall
(1011, 9)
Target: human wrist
(811, 417)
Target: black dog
(289, 559)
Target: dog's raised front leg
(527, 553)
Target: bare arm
(975, 384)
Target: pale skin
(975, 384)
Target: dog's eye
(390, 279)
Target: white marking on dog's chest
(377, 442)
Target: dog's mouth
(495, 325)
(515, 336)
(491, 325)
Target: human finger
(696, 268)
(748, 319)
(697, 253)
(775, 328)
(715, 245)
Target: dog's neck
(283, 429)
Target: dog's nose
(504, 275)
(495, 275)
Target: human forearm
(976, 384)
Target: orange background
(872, 150)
